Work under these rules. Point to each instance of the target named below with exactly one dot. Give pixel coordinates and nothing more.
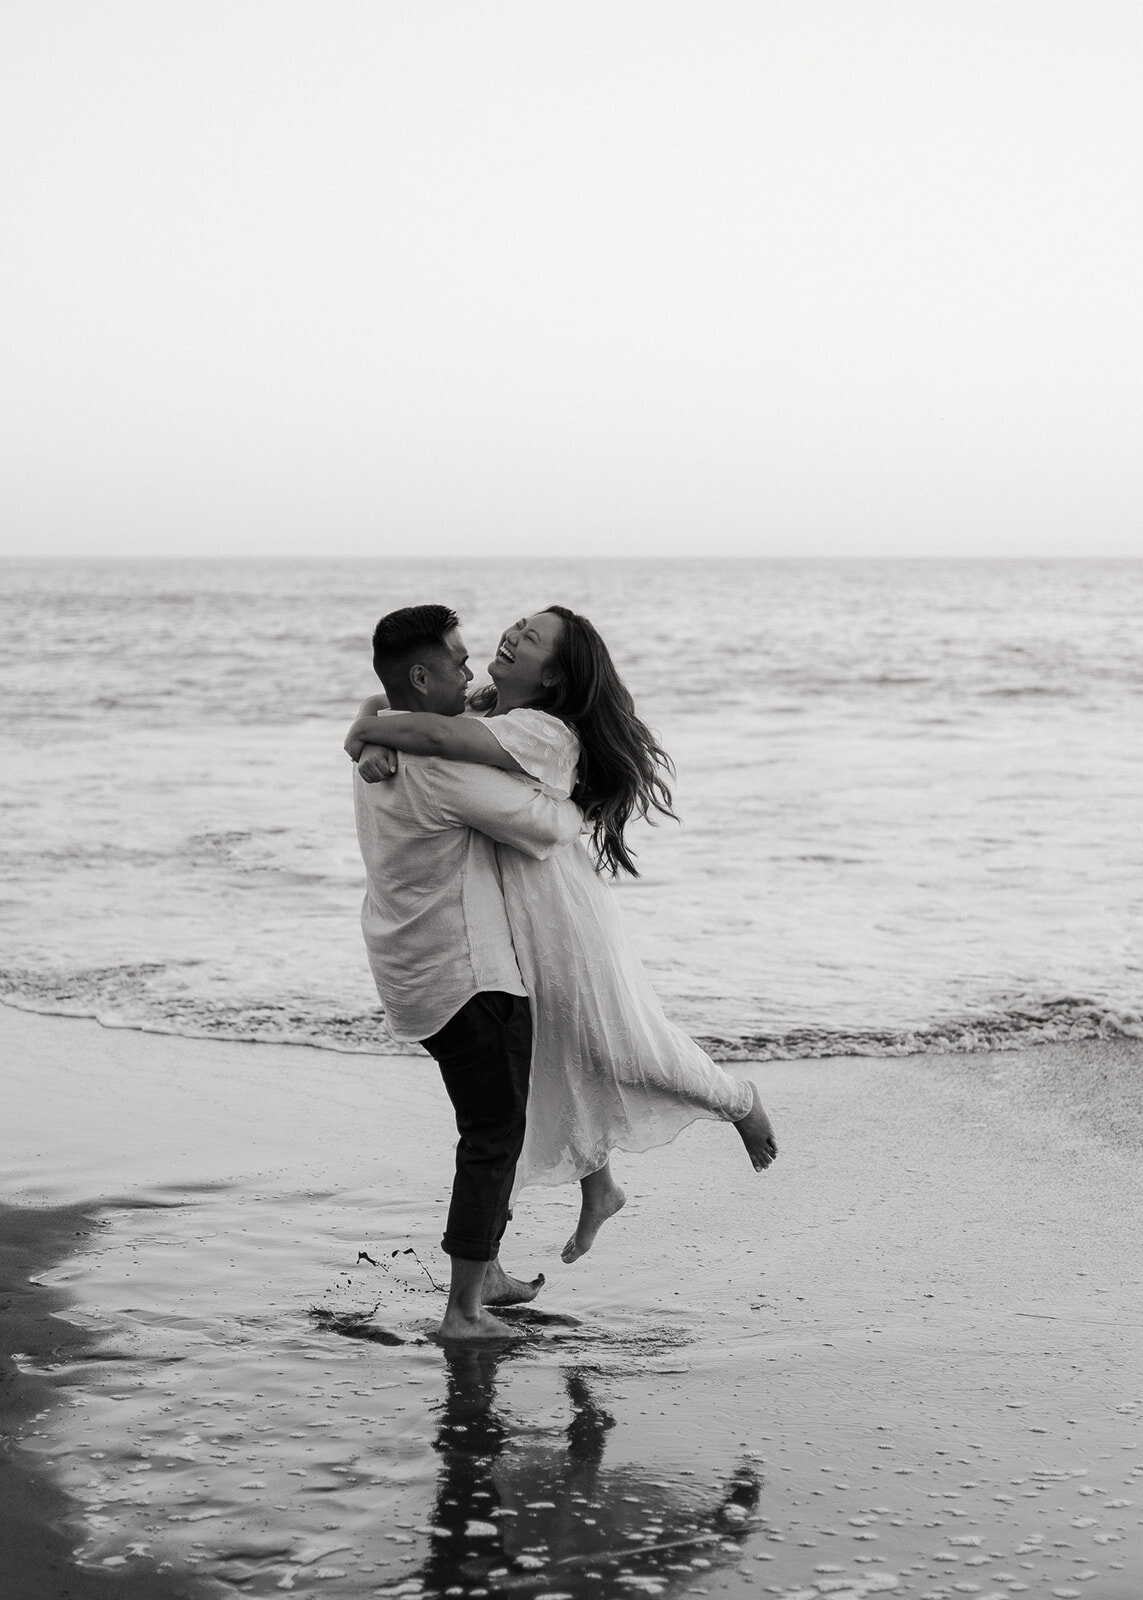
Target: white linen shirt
(433, 917)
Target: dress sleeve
(545, 747)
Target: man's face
(446, 677)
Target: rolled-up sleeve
(502, 805)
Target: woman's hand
(378, 764)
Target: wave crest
(1015, 1028)
(131, 997)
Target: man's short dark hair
(402, 637)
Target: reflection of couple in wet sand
(521, 1509)
(494, 939)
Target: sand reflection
(518, 1511)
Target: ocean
(909, 793)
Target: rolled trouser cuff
(470, 1249)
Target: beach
(903, 1361)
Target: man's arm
(504, 807)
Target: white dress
(609, 1071)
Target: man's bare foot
(501, 1290)
(757, 1134)
(599, 1203)
(459, 1329)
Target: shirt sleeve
(545, 747)
(503, 805)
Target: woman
(608, 1069)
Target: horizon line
(485, 558)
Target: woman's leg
(757, 1133)
(686, 1073)
(601, 1198)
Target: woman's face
(521, 669)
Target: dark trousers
(485, 1055)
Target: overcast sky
(308, 277)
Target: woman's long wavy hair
(623, 770)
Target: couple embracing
(495, 941)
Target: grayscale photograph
(571, 716)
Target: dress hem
(701, 1114)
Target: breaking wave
(134, 997)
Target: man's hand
(378, 763)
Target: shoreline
(1024, 1027)
(905, 1353)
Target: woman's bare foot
(757, 1134)
(457, 1328)
(501, 1290)
(602, 1198)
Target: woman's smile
(521, 669)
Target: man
(440, 947)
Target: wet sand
(38, 1533)
(903, 1361)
